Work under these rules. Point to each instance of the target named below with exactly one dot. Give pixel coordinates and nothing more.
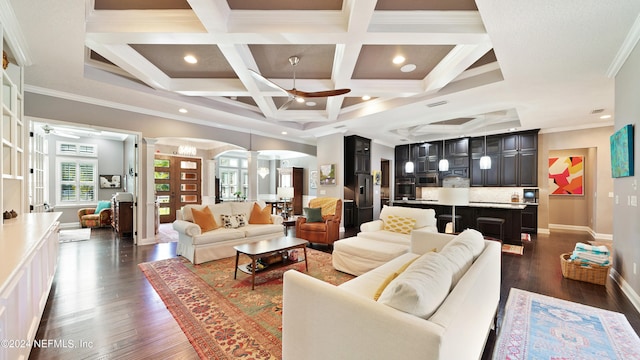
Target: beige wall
(597, 207)
(626, 224)
(573, 210)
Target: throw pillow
(313, 214)
(233, 221)
(102, 204)
(399, 224)
(260, 216)
(204, 219)
(390, 278)
(421, 288)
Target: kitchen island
(510, 212)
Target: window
(73, 149)
(76, 180)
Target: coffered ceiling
(470, 67)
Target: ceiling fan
(50, 130)
(295, 94)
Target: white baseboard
(147, 241)
(633, 296)
(585, 229)
(72, 225)
(544, 231)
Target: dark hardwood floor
(102, 302)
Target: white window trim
(60, 152)
(59, 201)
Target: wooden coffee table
(266, 248)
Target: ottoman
(357, 255)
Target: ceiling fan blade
(315, 94)
(266, 81)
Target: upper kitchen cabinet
(357, 155)
(514, 159)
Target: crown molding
(625, 50)
(13, 35)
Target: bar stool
(491, 227)
(444, 219)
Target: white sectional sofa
(201, 247)
(323, 321)
(374, 246)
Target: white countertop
(494, 205)
(19, 237)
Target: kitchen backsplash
(478, 194)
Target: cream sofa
(323, 321)
(201, 247)
(374, 246)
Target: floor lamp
(454, 197)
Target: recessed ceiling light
(300, 100)
(398, 59)
(366, 97)
(190, 59)
(183, 110)
(284, 133)
(408, 68)
(310, 103)
(605, 116)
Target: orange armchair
(327, 231)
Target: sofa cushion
(204, 219)
(260, 216)
(424, 217)
(391, 277)
(399, 224)
(462, 251)
(262, 229)
(244, 207)
(386, 236)
(216, 210)
(313, 214)
(218, 235)
(421, 288)
(368, 283)
(328, 204)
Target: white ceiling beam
(135, 21)
(214, 15)
(457, 61)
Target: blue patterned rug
(542, 327)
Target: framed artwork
(110, 182)
(566, 175)
(621, 143)
(328, 174)
(313, 179)
(377, 177)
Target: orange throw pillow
(260, 216)
(204, 219)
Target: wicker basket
(595, 274)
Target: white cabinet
(28, 261)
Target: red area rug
(222, 317)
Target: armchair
(327, 231)
(90, 218)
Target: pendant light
(443, 165)
(485, 161)
(408, 166)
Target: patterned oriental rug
(542, 327)
(222, 317)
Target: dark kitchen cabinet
(402, 155)
(530, 219)
(514, 160)
(357, 155)
(348, 214)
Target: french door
(178, 182)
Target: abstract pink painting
(566, 175)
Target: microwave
(428, 180)
(530, 195)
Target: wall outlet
(617, 199)
(635, 269)
(323, 192)
(610, 194)
(634, 200)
